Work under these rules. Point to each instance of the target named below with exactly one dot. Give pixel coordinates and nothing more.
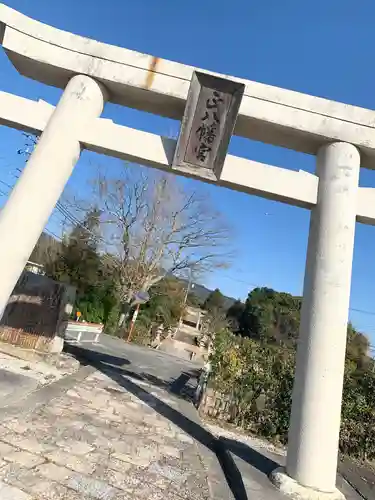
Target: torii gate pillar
(40, 186)
(317, 393)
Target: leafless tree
(153, 226)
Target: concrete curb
(221, 470)
(357, 479)
(30, 355)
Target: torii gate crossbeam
(341, 136)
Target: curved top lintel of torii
(269, 114)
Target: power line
(240, 281)
(52, 234)
(370, 313)
(7, 185)
(59, 206)
(64, 211)
(256, 285)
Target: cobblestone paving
(99, 441)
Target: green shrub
(357, 436)
(141, 334)
(257, 379)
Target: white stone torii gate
(340, 135)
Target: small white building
(35, 268)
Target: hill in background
(201, 293)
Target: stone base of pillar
(285, 484)
(56, 345)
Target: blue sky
(324, 48)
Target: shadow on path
(103, 361)
(223, 448)
(249, 455)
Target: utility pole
(135, 314)
(139, 298)
(190, 285)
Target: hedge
(258, 380)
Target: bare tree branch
(152, 226)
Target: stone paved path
(99, 441)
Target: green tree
(193, 300)
(271, 316)
(274, 317)
(234, 315)
(46, 251)
(165, 307)
(357, 348)
(79, 262)
(166, 303)
(214, 302)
